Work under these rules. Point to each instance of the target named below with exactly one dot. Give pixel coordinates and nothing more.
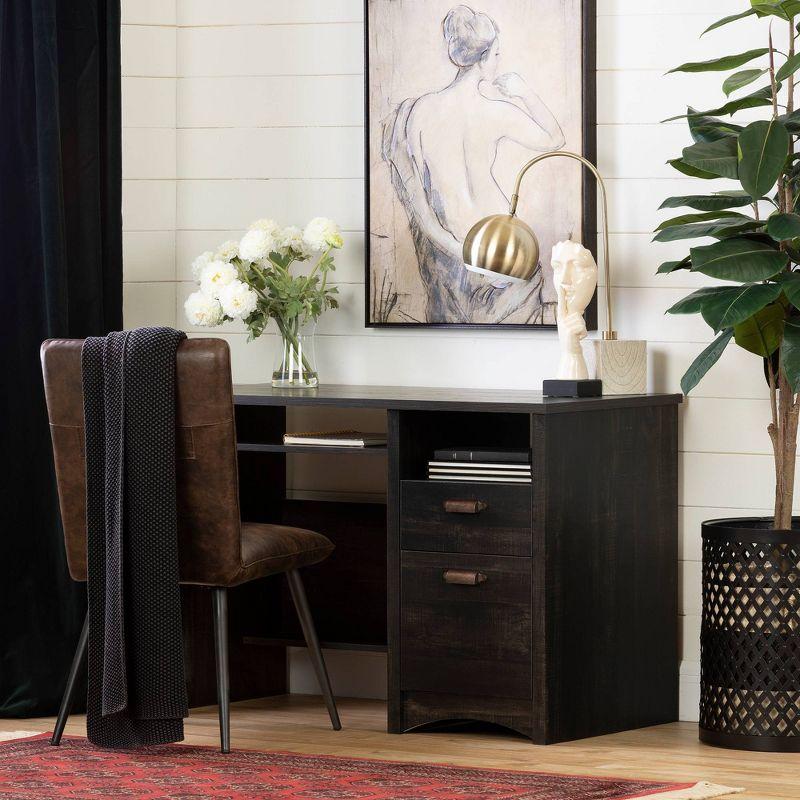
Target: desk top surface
(428, 398)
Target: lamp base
(621, 365)
(572, 388)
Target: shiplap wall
(249, 108)
(149, 47)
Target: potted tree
(750, 662)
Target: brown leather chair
(216, 548)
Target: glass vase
(296, 363)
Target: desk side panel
(612, 570)
(394, 433)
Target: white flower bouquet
(252, 280)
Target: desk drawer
(463, 517)
(465, 624)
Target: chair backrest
(209, 527)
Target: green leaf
(293, 308)
(750, 227)
(761, 334)
(693, 303)
(708, 202)
(765, 9)
(671, 266)
(694, 230)
(790, 66)
(704, 128)
(727, 20)
(722, 229)
(705, 361)
(763, 147)
(792, 247)
(738, 260)
(785, 9)
(719, 157)
(722, 64)
(761, 97)
(708, 215)
(741, 79)
(790, 353)
(783, 226)
(791, 121)
(790, 284)
(730, 307)
(686, 169)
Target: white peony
(200, 263)
(227, 251)
(238, 299)
(256, 244)
(216, 275)
(291, 238)
(267, 225)
(322, 232)
(202, 310)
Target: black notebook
(497, 455)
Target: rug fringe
(700, 791)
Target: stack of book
(480, 465)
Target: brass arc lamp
(504, 245)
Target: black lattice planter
(750, 636)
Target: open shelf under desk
(259, 447)
(347, 591)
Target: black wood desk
(571, 630)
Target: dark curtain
(61, 267)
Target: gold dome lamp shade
(502, 245)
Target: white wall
(149, 47)
(242, 109)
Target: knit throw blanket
(137, 685)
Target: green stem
(258, 272)
(279, 267)
(292, 338)
(772, 81)
(319, 261)
(287, 334)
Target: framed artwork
(458, 98)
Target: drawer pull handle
(465, 506)
(463, 577)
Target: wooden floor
(300, 724)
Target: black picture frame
(589, 186)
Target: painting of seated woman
(459, 97)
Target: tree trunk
(784, 443)
(785, 407)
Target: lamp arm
(609, 332)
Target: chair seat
(270, 549)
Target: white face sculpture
(575, 276)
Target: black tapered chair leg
(72, 679)
(310, 634)
(220, 603)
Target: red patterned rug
(30, 769)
